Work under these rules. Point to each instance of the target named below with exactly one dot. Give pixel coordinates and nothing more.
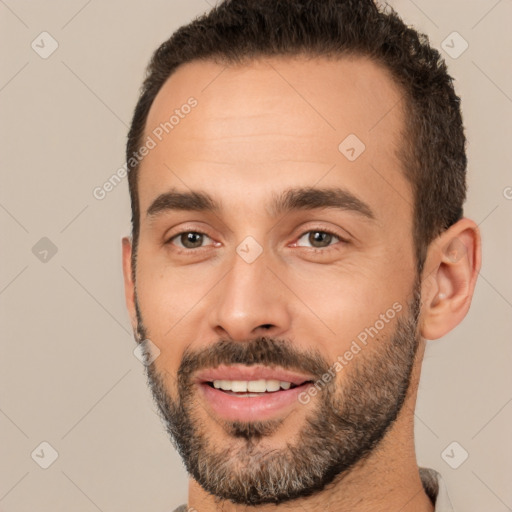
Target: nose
(250, 301)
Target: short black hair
(432, 150)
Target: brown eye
(189, 239)
(318, 239)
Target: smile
(252, 386)
(252, 393)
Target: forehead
(274, 122)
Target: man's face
(260, 289)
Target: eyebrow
(301, 198)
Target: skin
(258, 129)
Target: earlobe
(129, 287)
(451, 269)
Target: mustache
(262, 350)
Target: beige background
(68, 375)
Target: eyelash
(311, 249)
(328, 247)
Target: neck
(386, 481)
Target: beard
(345, 423)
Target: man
(297, 175)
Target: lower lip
(251, 408)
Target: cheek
(166, 293)
(169, 299)
(346, 305)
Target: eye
(318, 238)
(189, 239)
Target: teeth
(257, 386)
(239, 386)
(273, 385)
(251, 386)
(222, 384)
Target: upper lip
(248, 373)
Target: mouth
(252, 387)
(252, 393)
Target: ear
(129, 285)
(450, 272)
